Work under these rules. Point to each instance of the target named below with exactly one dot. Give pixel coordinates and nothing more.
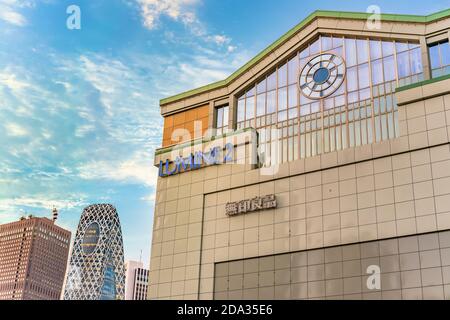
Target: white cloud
(9, 80)
(13, 208)
(149, 198)
(231, 49)
(83, 130)
(219, 39)
(138, 169)
(179, 10)
(9, 11)
(15, 130)
(40, 203)
(182, 11)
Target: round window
(322, 76)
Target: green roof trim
(287, 35)
(200, 141)
(422, 83)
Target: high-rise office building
(324, 158)
(96, 268)
(136, 281)
(33, 259)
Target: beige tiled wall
(412, 267)
(396, 188)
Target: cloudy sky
(79, 113)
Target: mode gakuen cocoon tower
(324, 157)
(96, 269)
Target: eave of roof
(298, 27)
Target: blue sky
(79, 113)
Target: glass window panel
(363, 132)
(225, 116)
(304, 110)
(282, 116)
(434, 56)
(271, 101)
(293, 113)
(272, 81)
(437, 73)
(340, 100)
(241, 110)
(361, 49)
(282, 75)
(363, 74)
(293, 70)
(326, 140)
(375, 49)
(293, 96)
(445, 53)
(350, 52)
(304, 100)
(338, 51)
(403, 64)
(352, 97)
(328, 104)
(389, 103)
(388, 48)
(219, 123)
(337, 42)
(304, 53)
(282, 98)
(384, 133)
(364, 94)
(250, 93)
(377, 72)
(315, 107)
(295, 147)
(352, 79)
(303, 63)
(389, 68)
(396, 124)
(351, 134)
(391, 126)
(260, 104)
(413, 45)
(250, 108)
(369, 132)
(401, 46)
(382, 104)
(314, 47)
(261, 87)
(326, 43)
(416, 61)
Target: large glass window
(361, 111)
(222, 120)
(440, 58)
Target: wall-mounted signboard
(197, 160)
(251, 205)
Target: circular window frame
(312, 66)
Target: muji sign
(196, 160)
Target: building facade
(96, 268)
(33, 259)
(318, 170)
(136, 281)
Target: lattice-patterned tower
(96, 270)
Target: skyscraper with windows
(136, 281)
(33, 259)
(96, 268)
(325, 155)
